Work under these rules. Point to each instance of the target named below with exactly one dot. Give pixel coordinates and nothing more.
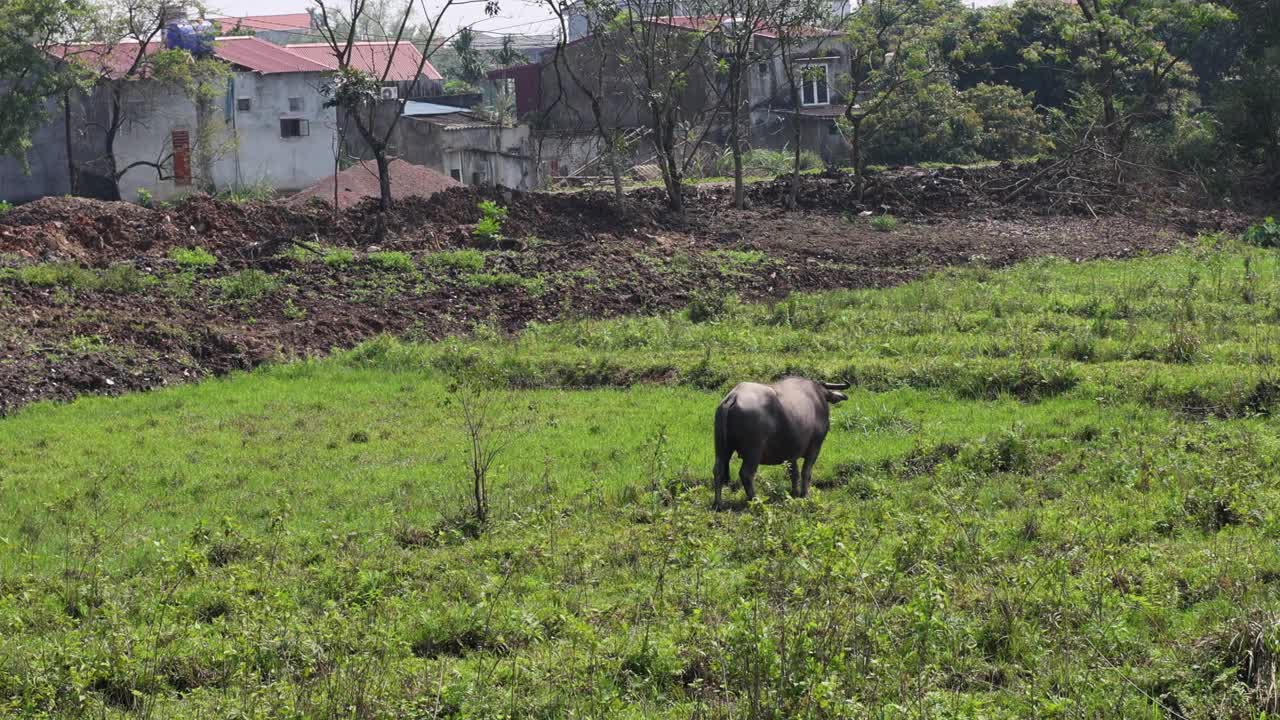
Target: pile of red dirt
(360, 182)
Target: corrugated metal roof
(263, 57)
(112, 60)
(288, 21)
(372, 58)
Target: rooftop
(115, 60)
(288, 21)
(372, 58)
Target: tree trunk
(204, 151)
(664, 143)
(72, 177)
(110, 146)
(855, 154)
(384, 177)
(735, 139)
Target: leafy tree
(660, 61)
(472, 66)
(894, 48)
(1013, 45)
(793, 26)
(356, 93)
(1008, 124)
(204, 81)
(1133, 53)
(122, 34)
(1248, 96)
(29, 74)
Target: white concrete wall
(258, 154)
(262, 155)
(152, 111)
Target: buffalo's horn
(836, 386)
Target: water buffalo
(772, 425)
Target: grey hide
(771, 425)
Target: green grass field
(1052, 493)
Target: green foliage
(30, 75)
(462, 260)
(145, 198)
(125, 279)
(193, 258)
(705, 306)
(246, 286)
(55, 274)
(5, 206)
(253, 192)
(1009, 126)
(767, 163)
(339, 258)
(534, 286)
(884, 223)
(1264, 234)
(489, 229)
(391, 261)
(351, 88)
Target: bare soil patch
(575, 255)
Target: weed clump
(339, 258)
(461, 260)
(1264, 234)
(391, 261)
(884, 223)
(56, 274)
(247, 286)
(193, 258)
(707, 305)
(489, 229)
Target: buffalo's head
(831, 391)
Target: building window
(244, 104)
(295, 104)
(764, 68)
(456, 174)
(292, 127)
(814, 90)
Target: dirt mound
(83, 229)
(1042, 187)
(360, 182)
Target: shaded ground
(139, 319)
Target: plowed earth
(578, 255)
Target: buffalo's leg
(720, 475)
(793, 470)
(806, 477)
(750, 462)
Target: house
(275, 29)
(565, 116)
(270, 127)
(399, 61)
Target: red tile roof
(372, 57)
(253, 54)
(291, 21)
(263, 57)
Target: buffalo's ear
(834, 397)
